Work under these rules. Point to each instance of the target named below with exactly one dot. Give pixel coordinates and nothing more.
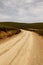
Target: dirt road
(25, 48)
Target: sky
(27, 11)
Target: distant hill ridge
(22, 25)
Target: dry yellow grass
(8, 33)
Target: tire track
(9, 55)
(19, 51)
(27, 51)
(22, 58)
(9, 45)
(36, 53)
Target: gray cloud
(21, 10)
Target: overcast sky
(21, 10)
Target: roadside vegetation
(14, 27)
(7, 31)
(38, 31)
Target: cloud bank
(21, 10)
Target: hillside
(36, 27)
(22, 25)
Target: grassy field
(36, 27)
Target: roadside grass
(8, 31)
(38, 31)
(35, 27)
